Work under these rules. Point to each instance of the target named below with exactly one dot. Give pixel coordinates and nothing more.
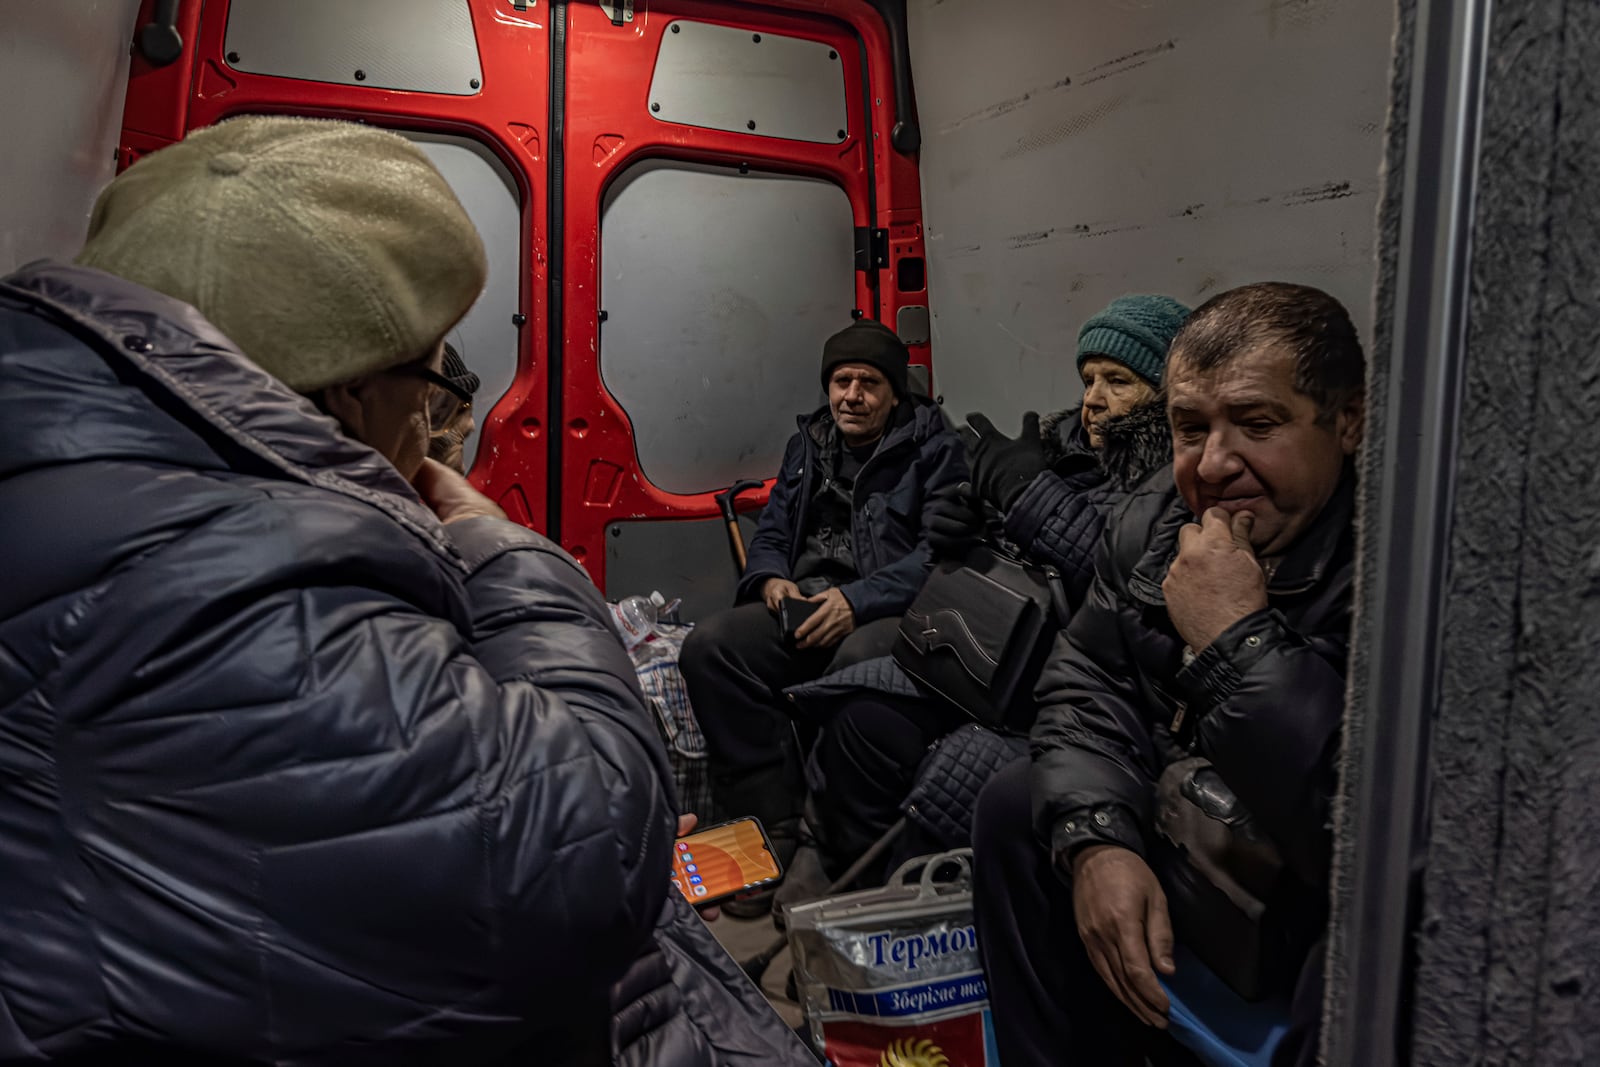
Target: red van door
(728, 195)
(681, 200)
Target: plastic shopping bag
(891, 977)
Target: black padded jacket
(1264, 703)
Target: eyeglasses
(439, 381)
(446, 399)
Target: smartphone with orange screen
(715, 863)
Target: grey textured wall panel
(424, 46)
(1509, 920)
(723, 78)
(486, 338)
(1511, 927)
(63, 75)
(1075, 151)
(719, 289)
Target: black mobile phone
(715, 863)
(792, 612)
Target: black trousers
(863, 767)
(736, 666)
(1049, 1005)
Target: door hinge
(872, 248)
(618, 11)
(159, 39)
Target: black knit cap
(872, 343)
(455, 368)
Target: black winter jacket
(916, 458)
(1267, 695)
(289, 772)
(1059, 517)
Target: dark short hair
(1329, 366)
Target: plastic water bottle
(635, 618)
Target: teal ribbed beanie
(1136, 332)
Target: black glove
(955, 521)
(1001, 467)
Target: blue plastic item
(1214, 1023)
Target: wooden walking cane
(725, 501)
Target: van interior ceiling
(681, 199)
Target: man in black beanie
(450, 417)
(844, 537)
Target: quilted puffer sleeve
(540, 631)
(319, 801)
(1058, 521)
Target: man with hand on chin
(844, 530)
(1217, 626)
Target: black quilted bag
(979, 631)
(945, 794)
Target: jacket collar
(173, 349)
(1304, 566)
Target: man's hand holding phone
(832, 622)
(775, 590)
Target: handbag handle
(1058, 597)
(1052, 580)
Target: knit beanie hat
(455, 368)
(872, 343)
(1136, 332)
(325, 250)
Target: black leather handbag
(979, 632)
(1230, 899)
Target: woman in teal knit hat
(1122, 354)
(1055, 484)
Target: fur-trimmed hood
(1133, 444)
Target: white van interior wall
(63, 76)
(1074, 152)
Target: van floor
(744, 938)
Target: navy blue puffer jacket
(289, 772)
(918, 456)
